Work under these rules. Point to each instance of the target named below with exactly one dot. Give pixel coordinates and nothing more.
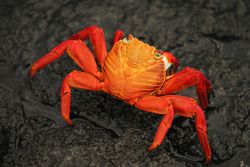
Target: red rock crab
(136, 73)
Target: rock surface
(212, 36)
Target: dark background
(212, 36)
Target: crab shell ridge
(133, 69)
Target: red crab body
(132, 70)
(136, 73)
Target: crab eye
(157, 55)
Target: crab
(136, 73)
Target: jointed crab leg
(54, 54)
(80, 80)
(163, 128)
(201, 128)
(181, 105)
(186, 78)
(97, 39)
(118, 36)
(83, 57)
(96, 36)
(162, 106)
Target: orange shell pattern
(132, 70)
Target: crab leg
(188, 107)
(186, 78)
(77, 50)
(54, 54)
(97, 39)
(76, 79)
(96, 36)
(161, 106)
(83, 57)
(163, 128)
(118, 36)
(184, 106)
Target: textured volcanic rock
(212, 36)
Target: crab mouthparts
(167, 64)
(169, 67)
(171, 70)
